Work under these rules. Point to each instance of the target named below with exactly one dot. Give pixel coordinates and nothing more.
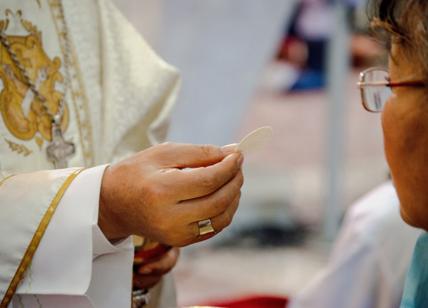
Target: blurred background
(292, 65)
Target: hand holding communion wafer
(176, 194)
(153, 259)
(165, 191)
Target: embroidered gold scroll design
(18, 148)
(23, 113)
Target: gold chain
(57, 117)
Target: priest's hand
(163, 192)
(149, 274)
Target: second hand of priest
(166, 191)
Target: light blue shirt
(415, 293)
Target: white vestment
(370, 258)
(118, 100)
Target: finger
(191, 211)
(175, 155)
(200, 182)
(165, 264)
(230, 148)
(212, 205)
(218, 223)
(146, 281)
(225, 219)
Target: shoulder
(374, 220)
(375, 211)
(373, 224)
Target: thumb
(230, 148)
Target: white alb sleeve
(65, 264)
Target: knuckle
(209, 150)
(219, 202)
(153, 194)
(224, 222)
(231, 172)
(219, 229)
(207, 182)
(222, 200)
(227, 218)
(219, 206)
(241, 179)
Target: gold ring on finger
(205, 227)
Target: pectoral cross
(59, 150)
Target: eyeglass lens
(375, 97)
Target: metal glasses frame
(363, 84)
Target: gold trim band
(5, 179)
(77, 88)
(32, 247)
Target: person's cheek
(393, 139)
(390, 135)
(406, 141)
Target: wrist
(108, 219)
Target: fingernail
(229, 149)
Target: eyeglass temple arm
(362, 84)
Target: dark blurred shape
(305, 43)
(266, 235)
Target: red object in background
(150, 252)
(146, 255)
(295, 51)
(254, 302)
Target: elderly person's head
(402, 97)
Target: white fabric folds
(26, 202)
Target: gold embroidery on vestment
(18, 148)
(21, 110)
(5, 179)
(77, 88)
(39, 142)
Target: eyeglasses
(376, 88)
